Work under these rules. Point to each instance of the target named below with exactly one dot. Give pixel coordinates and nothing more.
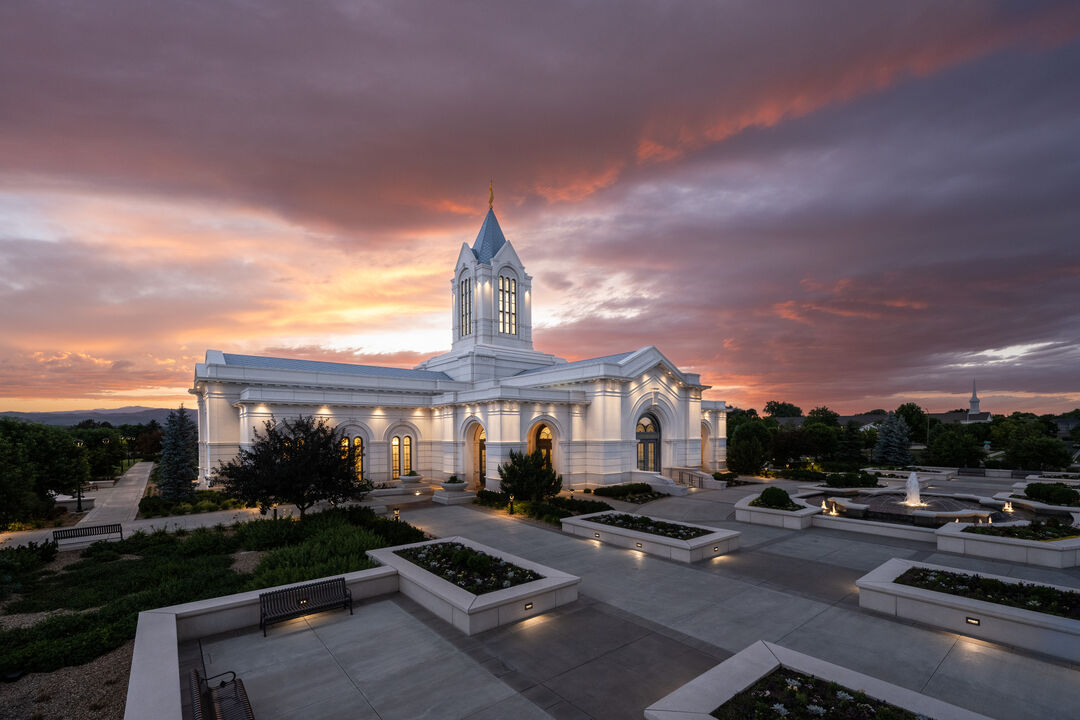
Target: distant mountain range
(132, 415)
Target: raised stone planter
(475, 613)
(1045, 553)
(790, 519)
(410, 480)
(1027, 629)
(699, 697)
(452, 486)
(444, 497)
(717, 542)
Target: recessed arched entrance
(648, 443)
(476, 456)
(541, 441)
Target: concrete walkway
(796, 589)
(119, 503)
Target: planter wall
(475, 613)
(716, 543)
(699, 697)
(790, 519)
(1027, 629)
(1051, 553)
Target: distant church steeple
(974, 402)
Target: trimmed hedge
(776, 499)
(620, 492)
(1052, 493)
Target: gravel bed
(94, 691)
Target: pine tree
(179, 468)
(892, 442)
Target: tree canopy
(178, 470)
(892, 442)
(529, 476)
(749, 447)
(916, 418)
(302, 461)
(36, 463)
(823, 416)
(775, 408)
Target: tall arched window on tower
(507, 305)
(358, 450)
(395, 458)
(406, 455)
(465, 305)
(401, 460)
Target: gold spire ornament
(491, 194)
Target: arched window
(648, 443)
(400, 456)
(543, 442)
(465, 306)
(358, 450)
(507, 305)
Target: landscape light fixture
(596, 535)
(716, 549)
(639, 544)
(972, 621)
(397, 513)
(528, 606)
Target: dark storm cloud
(825, 202)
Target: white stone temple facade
(619, 418)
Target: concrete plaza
(642, 627)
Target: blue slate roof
(489, 240)
(606, 358)
(273, 363)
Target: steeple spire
(973, 408)
(491, 194)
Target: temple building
(618, 418)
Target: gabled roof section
(273, 363)
(490, 239)
(577, 363)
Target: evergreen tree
(892, 442)
(179, 468)
(529, 476)
(749, 447)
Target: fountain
(913, 499)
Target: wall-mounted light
(397, 513)
(596, 535)
(528, 606)
(638, 544)
(716, 549)
(972, 621)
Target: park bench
(293, 602)
(226, 701)
(83, 531)
(973, 472)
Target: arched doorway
(476, 465)
(542, 441)
(648, 443)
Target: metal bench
(293, 602)
(972, 472)
(226, 701)
(83, 531)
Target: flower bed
(469, 569)
(795, 696)
(1038, 530)
(1040, 598)
(637, 493)
(653, 527)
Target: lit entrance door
(543, 442)
(648, 443)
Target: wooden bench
(83, 531)
(226, 701)
(279, 605)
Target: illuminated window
(344, 447)
(543, 442)
(406, 454)
(358, 449)
(395, 457)
(507, 305)
(648, 443)
(465, 305)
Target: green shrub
(206, 506)
(269, 534)
(622, 491)
(17, 564)
(776, 498)
(333, 551)
(577, 506)
(852, 479)
(587, 491)
(489, 498)
(182, 508)
(725, 475)
(1052, 493)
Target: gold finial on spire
(491, 194)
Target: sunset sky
(844, 203)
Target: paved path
(119, 503)
(796, 589)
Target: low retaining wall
(1049, 553)
(1027, 629)
(717, 542)
(154, 682)
(475, 613)
(790, 519)
(699, 697)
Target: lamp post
(511, 504)
(78, 486)
(397, 513)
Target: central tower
(490, 311)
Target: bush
(587, 491)
(18, 563)
(182, 508)
(725, 475)
(206, 506)
(579, 506)
(852, 479)
(776, 498)
(529, 476)
(333, 551)
(489, 498)
(268, 534)
(1052, 493)
(622, 491)
(803, 475)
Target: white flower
(844, 696)
(815, 710)
(780, 710)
